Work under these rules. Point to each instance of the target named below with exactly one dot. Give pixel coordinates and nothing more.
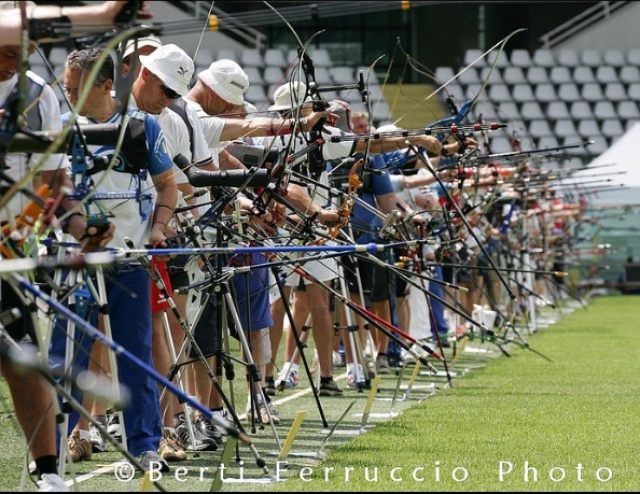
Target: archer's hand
(112, 9)
(430, 143)
(91, 237)
(330, 217)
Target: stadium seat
(569, 92)
(522, 93)
(545, 93)
(612, 127)
(580, 110)
(499, 92)
(615, 92)
(629, 74)
(537, 75)
(583, 75)
(273, 75)
(469, 76)
(633, 91)
(58, 56)
(251, 57)
(487, 110)
(494, 78)
(568, 58)
(592, 92)
(633, 57)
(544, 57)
(628, 109)
(531, 110)
(589, 128)
(320, 57)
(539, 128)
(591, 58)
(614, 58)
(548, 142)
(472, 54)
(255, 94)
(513, 75)
(560, 75)
(227, 54)
(255, 76)
(508, 110)
(274, 57)
(502, 62)
(500, 144)
(443, 74)
(521, 58)
(564, 127)
(557, 110)
(343, 75)
(606, 74)
(604, 110)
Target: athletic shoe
(329, 389)
(407, 358)
(289, 381)
(114, 427)
(206, 427)
(50, 482)
(98, 444)
(351, 377)
(222, 416)
(171, 447)
(200, 442)
(338, 359)
(79, 449)
(382, 365)
(150, 459)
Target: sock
(219, 409)
(170, 430)
(46, 464)
(326, 380)
(295, 368)
(269, 379)
(85, 434)
(266, 396)
(382, 354)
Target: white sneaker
(354, 381)
(50, 482)
(407, 357)
(289, 381)
(337, 360)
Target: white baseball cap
(227, 79)
(289, 96)
(172, 65)
(151, 40)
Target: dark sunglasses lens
(169, 93)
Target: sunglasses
(168, 92)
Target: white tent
(620, 164)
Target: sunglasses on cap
(168, 92)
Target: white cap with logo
(289, 96)
(172, 66)
(227, 79)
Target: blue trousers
(436, 312)
(129, 311)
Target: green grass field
(508, 424)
